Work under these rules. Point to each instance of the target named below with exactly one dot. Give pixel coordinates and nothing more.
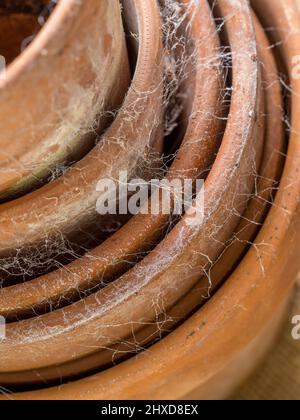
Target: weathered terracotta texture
(64, 211)
(211, 291)
(55, 91)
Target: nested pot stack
(148, 305)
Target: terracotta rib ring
(204, 102)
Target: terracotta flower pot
(182, 255)
(191, 160)
(65, 210)
(60, 91)
(141, 233)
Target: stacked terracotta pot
(148, 305)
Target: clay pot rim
(154, 374)
(252, 78)
(272, 161)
